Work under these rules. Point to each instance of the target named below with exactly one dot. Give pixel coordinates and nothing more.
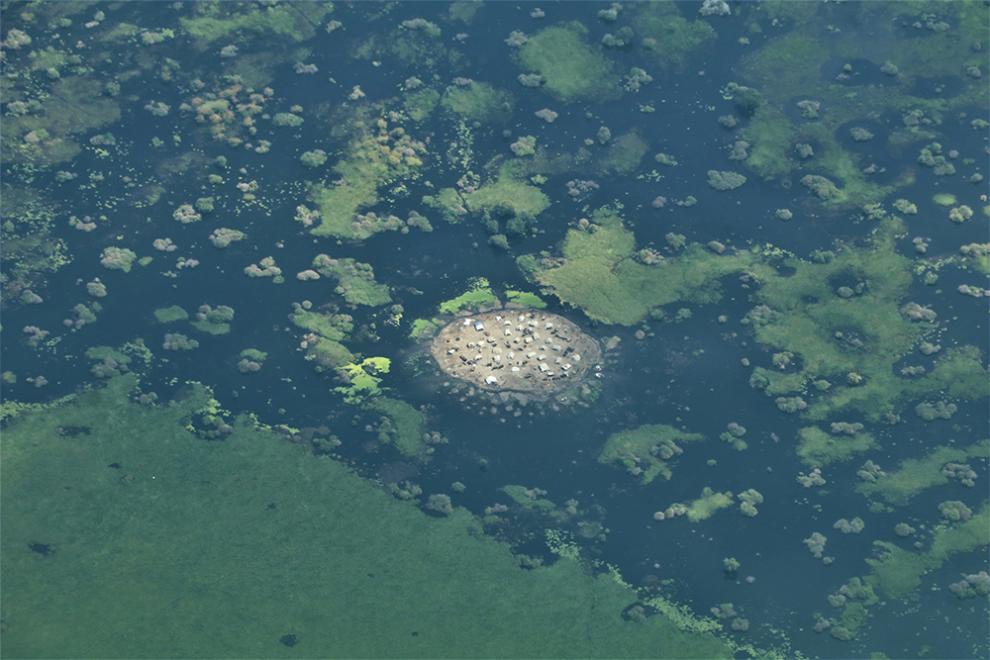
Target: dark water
(685, 374)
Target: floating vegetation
(646, 452)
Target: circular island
(525, 351)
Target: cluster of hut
(526, 351)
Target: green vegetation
(31, 251)
(797, 63)
(896, 573)
(363, 378)
(507, 193)
(841, 317)
(915, 475)
(601, 276)
(213, 320)
(233, 515)
(219, 20)
(572, 69)
(666, 35)
(525, 299)
(46, 136)
(419, 105)
(817, 448)
(423, 328)
(479, 294)
(376, 158)
(171, 314)
(708, 504)
(401, 425)
(323, 346)
(355, 280)
(646, 451)
(624, 154)
(478, 101)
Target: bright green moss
(235, 516)
(646, 451)
(915, 475)
(363, 378)
(572, 69)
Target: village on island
(525, 351)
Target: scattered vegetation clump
(223, 236)
(599, 274)
(506, 197)
(176, 341)
(624, 154)
(667, 36)
(251, 360)
(478, 101)
(31, 249)
(841, 316)
(171, 314)
(400, 425)
(213, 320)
(379, 155)
(702, 508)
(914, 475)
(47, 135)
(355, 280)
(118, 258)
(646, 452)
(818, 448)
(896, 573)
(478, 295)
(212, 22)
(363, 378)
(569, 67)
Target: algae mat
(126, 535)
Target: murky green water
(772, 216)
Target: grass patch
(261, 539)
(646, 451)
(572, 69)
